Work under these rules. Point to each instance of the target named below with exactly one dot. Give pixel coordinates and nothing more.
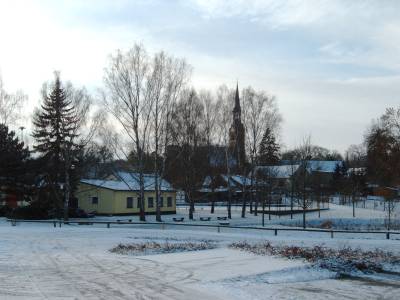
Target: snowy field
(363, 216)
(38, 261)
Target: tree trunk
(142, 216)
(212, 201)
(191, 206)
(263, 212)
(269, 205)
(243, 203)
(229, 203)
(67, 193)
(158, 204)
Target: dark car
(79, 213)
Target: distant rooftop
(128, 181)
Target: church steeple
(236, 134)
(237, 110)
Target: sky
(333, 66)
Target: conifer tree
(54, 130)
(268, 149)
(13, 157)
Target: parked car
(80, 213)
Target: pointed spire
(237, 100)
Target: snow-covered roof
(325, 166)
(237, 179)
(242, 180)
(283, 172)
(127, 181)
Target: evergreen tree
(13, 159)
(268, 149)
(54, 130)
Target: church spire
(236, 135)
(237, 100)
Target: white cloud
(333, 65)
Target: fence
(218, 227)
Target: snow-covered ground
(363, 217)
(38, 261)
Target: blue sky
(333, 65)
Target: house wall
(115, 202)
(105, 197)
(120, 202)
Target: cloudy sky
(333, 65)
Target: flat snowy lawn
(38, 261)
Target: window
(169, 201)
(129, 202)
(161, 201)
(138, 202)
(95, 200)
(150, 202)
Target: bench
(205, 218)
(222, 218)
(178, 219)
(224, 223)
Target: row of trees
(151, 100)
(160, 124)
(157, 122)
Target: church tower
(236, 134)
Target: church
(237, 135)
(215, 186)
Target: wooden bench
(222, 218)
(178, 219)
(205, 218)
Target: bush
(344, 261)
(35, 211)
(327, 224)
(158, 248)
(4, 211)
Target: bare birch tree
(168, 78)
(128, 98)
(223, 123)
(303, 177)
(211, 113)
(10, 105)
(81, 133)
(188, 136)
(259, 113)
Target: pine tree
(13, 158)
(268, 149)
(54, 129)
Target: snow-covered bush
(152, 247)
(344, 261)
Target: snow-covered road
(38, 261)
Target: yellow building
(119, 194)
